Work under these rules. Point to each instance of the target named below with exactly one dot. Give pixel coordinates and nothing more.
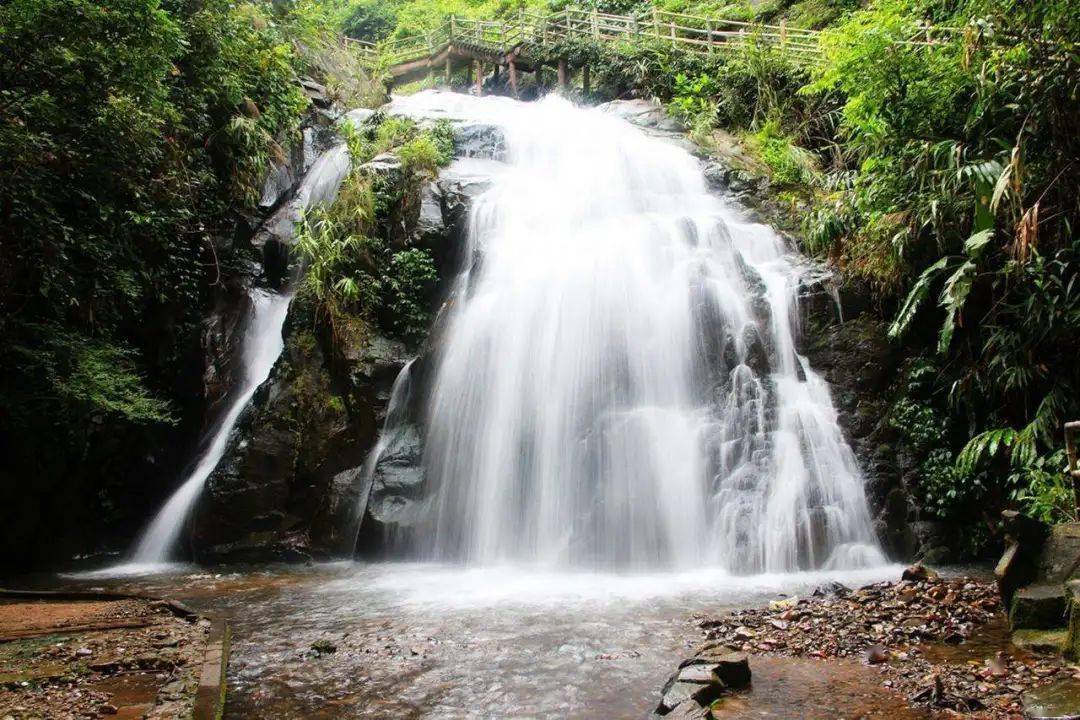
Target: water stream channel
(419, 640)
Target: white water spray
(618, 384)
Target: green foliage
(370, 20)
(429, 151)
(408, 284)
(788, 164)
(394, 132)
(353, 274)
(694, 100)
(130, 133)
(1044, 489)
(89, 378)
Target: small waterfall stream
(262, 345)
(617, 384)
(261, 349)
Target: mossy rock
(1043, 642)
(1038, 607)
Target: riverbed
(408, 640)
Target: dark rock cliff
(294, 484)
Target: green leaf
(983, 447)
(953, 296)
(974, 245)
(919, 292)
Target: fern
(919, 292)
(984, 446)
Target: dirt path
(63, 657)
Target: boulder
(677, 692)
(733, 670)
(398, 478)
(479, 140)
(717, 664)
(689, 710)
(918, 573)
(459, 185)
(648, 114)
(1045, 642)
(1019, 564)
(316, 93)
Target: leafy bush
(407, 285)
(788, 164)
(371, 20)
(129, 133)
(353, 276)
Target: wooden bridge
(526, 41)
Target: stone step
(1039, 607)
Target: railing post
(452, 29)
(783, 33)
(656, 22)
(708, 28)
(671, 27)
(595, 25)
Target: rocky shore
(934, 646)
(65, 656)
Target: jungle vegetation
(939, 177)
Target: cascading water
(261, 347)
(617, 383)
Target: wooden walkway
(526, 42)
(529, 41)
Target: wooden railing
(532, 32)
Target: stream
(416, 640)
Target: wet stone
(699, 674)
(733, 669)
(677, 692)
(689, 710)
(918, 573)
(1060, 700)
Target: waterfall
(617, 382)
(261, 346)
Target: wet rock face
(477, 140)
(647, 114)
(290, 486)
(701, 680)
(398, 480)
(293, 484)
(855, 358)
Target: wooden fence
(532, 32)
